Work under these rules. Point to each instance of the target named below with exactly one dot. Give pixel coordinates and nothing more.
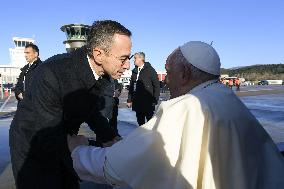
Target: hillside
(257, 72)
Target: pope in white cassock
(203, 137)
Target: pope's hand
(76, 140)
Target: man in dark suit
(144, 89)
(68, 89)
(27, 72)
(117, 91)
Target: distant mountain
(257, 72)
(235, 68)
(238, 67)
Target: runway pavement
(126, 124)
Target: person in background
(238, 83)
(224, 82)
(194, 140)
(117, 91)
(162, 86)
(144, 89)
(27, 72)
(231, 83)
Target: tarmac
(9, 106)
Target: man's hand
(112, 142)
(76, 140)
(129, 104)
(20, 96)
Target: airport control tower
(76, 35)
(17, 54)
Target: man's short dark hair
(101, 34)
(33, 46)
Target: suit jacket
(118, 89)
(64, 94)
(144, 93)
(25, 78)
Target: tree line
(257, 72)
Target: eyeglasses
(126, 58)
(121, 59)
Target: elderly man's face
(116, 61)
(174, 76)
(138, 60)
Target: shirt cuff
(88, 162)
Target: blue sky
(245, 32)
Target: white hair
(141, 54)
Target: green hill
(257, 72)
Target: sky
(244, 32)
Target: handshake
(77, 140)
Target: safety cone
(6, 93)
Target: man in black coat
(144, 89)
(117, 91)
(27, 72)
(67, 90)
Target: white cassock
(205, 139)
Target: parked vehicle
(246, 83)
(263, 82)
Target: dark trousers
(142, 115)
(238, 87)
(113, 120)
(31, 172)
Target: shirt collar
(97, 77)
(141, 67)
(30, 64)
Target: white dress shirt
(139, 70)
(94, 72)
